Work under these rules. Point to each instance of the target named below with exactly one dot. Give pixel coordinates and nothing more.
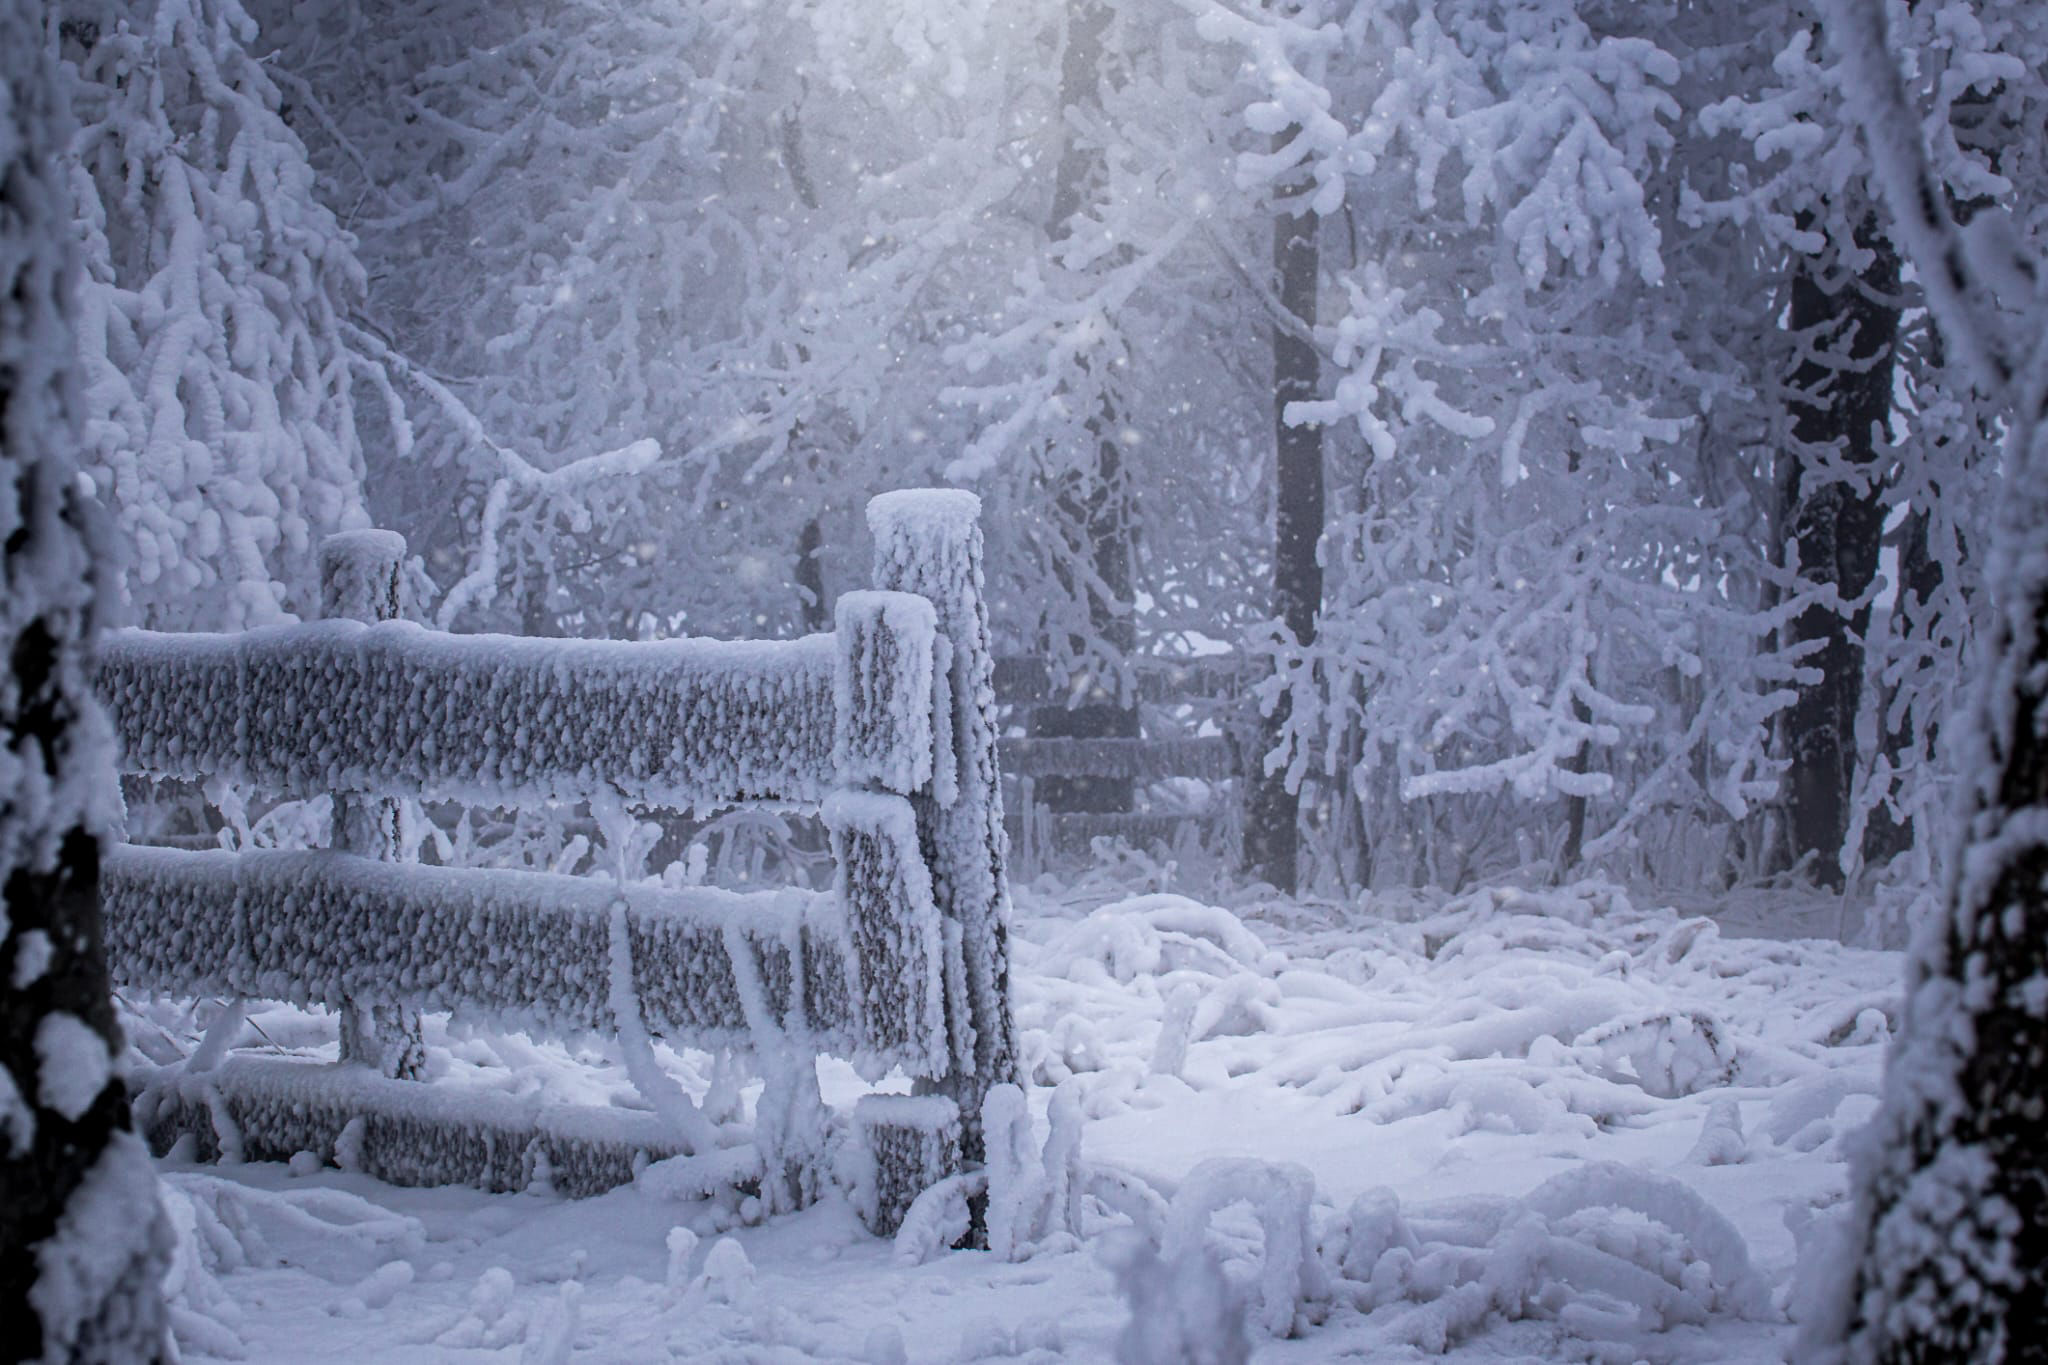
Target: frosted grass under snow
(1527, 1126)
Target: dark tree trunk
(1844, 391)
(1955, 1251)
(1271, 836)
(1948, 1253)
(1920, 579)
(810, 578)
(1575, 806)
(83, 1242)
(1096, 503)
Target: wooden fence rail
(886, 723)
(1184, 694)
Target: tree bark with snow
(83, 1241)
(1271, 835)
(1842, 395)
(1950, 1259)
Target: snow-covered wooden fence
(1180, 698)
(886, 724)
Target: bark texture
(1835, 519)
(1271, 835)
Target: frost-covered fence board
(402, 1132)
(885, 697)
(1211, 757)
(906, 1138)
(1024, 680)
(893, 930)
(341, 706)
(521, 950)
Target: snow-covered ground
(1537, 1126)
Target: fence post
(359, 581)
(928, 541)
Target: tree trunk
(810, 578)
(83, 1242)
(1955, 1202)
(1845, 390)
(1271, 836)
(1948, 1253)
(1575, 806)
(1097, 503)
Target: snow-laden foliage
(1584, 1013)
(1541, 582)
(769, 242)
(217, 384)
(673, 287)
(82, 1242)
(1802, 190)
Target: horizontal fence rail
(1211, 691)
(404, 1133)
(534, 952)
(341, 706)
(1022, 680)
(1211, 757)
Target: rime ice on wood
(359, 575)
(928, 542)
(912, 1141)
(519, 950)
(883, 691)
(893, 933)
(901, 965)
(337, 706)
(401, 1132)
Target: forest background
(1530, 393)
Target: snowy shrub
(1034, 1194)
(1607, 1252)
(1185, 1313)
(1290, 1286)
(1720, 1142)
(1152, 936)
(1668, 1053)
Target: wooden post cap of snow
(359, 575)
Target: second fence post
(359, 580)
(929, 542)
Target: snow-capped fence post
(359, 581)
(928, 542)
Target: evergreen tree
(83, 1241)
(217, 383)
